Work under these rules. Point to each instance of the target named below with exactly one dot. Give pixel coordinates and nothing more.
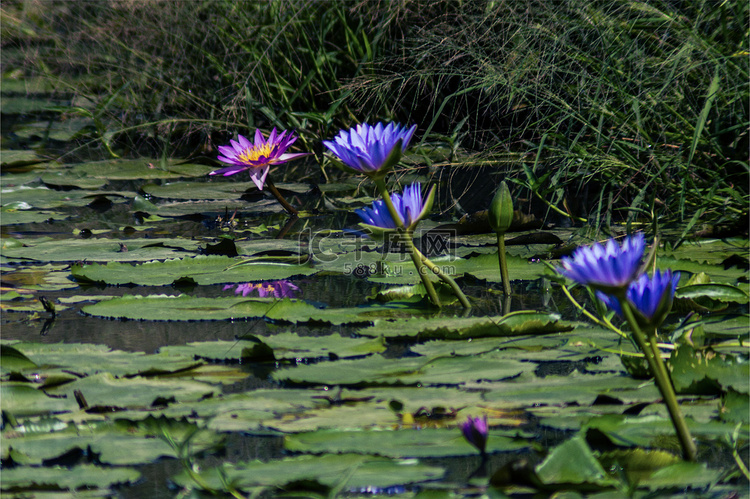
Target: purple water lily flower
(609, 268)
(475, 431)
(277, 289)
(371, 149)
(257, 157)
(410, 208)
(650, 297)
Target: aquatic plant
(609, 268)
(475, 432)
(650, 297)
(409, 206)
(371, 150)
(278, 289)
(613, 269)
(257, 157)
(500, 216)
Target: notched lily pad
(64, 478)
(427, 442)
(129, 169)
(513, 324)
(280, 346)
(377, 370)
(202, 269)
(328, 470)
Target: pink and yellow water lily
(258, 156)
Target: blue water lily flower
(371, 150)
(475, 431)
(609, 268)
(649, 297)
(410, 207)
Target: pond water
(129, 364)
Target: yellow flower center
(253, 153)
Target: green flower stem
(663, 381)
(406, 238)
(446, 279)
(603, 323)
(503, 262)
(288, 207)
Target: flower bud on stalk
(500, 216)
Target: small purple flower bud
(475, 432)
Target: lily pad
(87, 359)
(377, 370)
(199, 190)
(145, 168)
(280, 346)
(186, 308)
(101, 250)
(201, 269)
(357, 470)
(65, 478)
(513, 324)
(427, 442)
(121, 443)
(696, 371)
(10, 216)
(105, 390)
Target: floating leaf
(377, 370)
(129, 169)
(65, 478)
(573, 463)
(358, 470)
(427, 442)
(101, 250)
(287, 345)
(695, 371)
(87, 359)
(212, 269)
(513, 324)
(186, 308)
(120, 443)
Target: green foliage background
(600, 111)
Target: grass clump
(600, 111)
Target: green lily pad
(65, 478)
(145, 168)
(186, 308)
(657, 431)
(121, 443)
(377, 370)
(574, 388)
(355, 470)
(426, 442)
(136, 393)
(87, 359)
(696, 371)
(682, 475)
(63, 178)
(199, 190)
(514, 324)
(101, 250)
(201, 269)
(20, 399)
(280, 346)
(573, 462)
(10, 216)
(15, 158)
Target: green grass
(599, 111)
